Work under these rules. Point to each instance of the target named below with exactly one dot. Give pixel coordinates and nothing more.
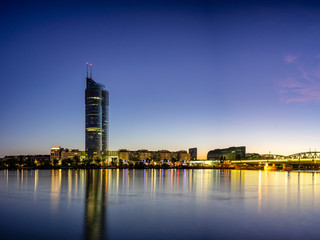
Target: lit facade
(124, 155)
(111, 156)
(183, 156)
(69, 154)
(144, 155)
(55, 153)
(97, 118)
(164, 155)
(60, 154)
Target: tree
(12, 162)
(98, 160)
(2, 164)
(76, 160)
(120, 163)
(86, 162)
(45, 163)
(55, 162)
(139, 165)
(113, 161)
(67, 162)
(30, 163)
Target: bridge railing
(275, 160)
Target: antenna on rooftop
(90, 70)
(87, 69)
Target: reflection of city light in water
(55, 188)
(36, 177)
(259, 193)
(69, 185)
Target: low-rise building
(154, 157)
(59, 154)
(112, 157)
(124, 155)
(164, 156)
(144, 155)
(69, 154)
(183, 156)
(231, 153)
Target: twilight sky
(206, 74)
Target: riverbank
(222, 166)
(118, 167)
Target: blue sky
(180, 74)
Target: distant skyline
(180, 74)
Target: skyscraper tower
(97, 117)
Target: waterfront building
(97, 117)
(124, 155)
(183, 156)
(174, 156)
(164, 156)
(55, 154)
(193, 154)
(60, 154)
(153, 157)
(69, 154)
(144, 155)
(111, 157)
(231, 153)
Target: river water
(159, 204)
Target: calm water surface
(159, 204)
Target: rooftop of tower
(92, 84)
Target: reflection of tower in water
(95, 209)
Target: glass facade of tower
(97, 111)
(105, 120)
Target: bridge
(307, 159)
(296, 158)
